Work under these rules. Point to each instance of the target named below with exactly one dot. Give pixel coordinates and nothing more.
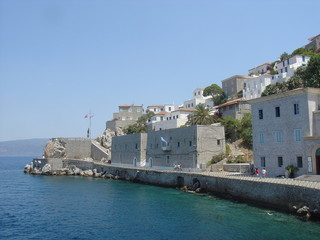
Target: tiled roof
(232, 102)
(161, 113)
(160, 106)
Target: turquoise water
(71, 207)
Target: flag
(163, 140)
(86, 116)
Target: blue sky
(61, 58)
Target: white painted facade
(197, 98)
(173, 119)
(255, 86)
(261, 69)
(287, 68)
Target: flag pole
(90, 116)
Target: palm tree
(201, 116)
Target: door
(318, 161)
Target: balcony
(166, 148)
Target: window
(283, 64)
(278, 135)
(260, 114)
(169, 109)
(277, 110)
(190, 143)
(281, 70)
(286, 69)
(157, 146)
(288, 61)
(303, 58)
(296, 108)
(299, 162)
(280, 161)
(177, 116)
(218, 142)
(261, 137)
(136, 145)
(297, 135)
(161, 118)
(150, 145)
(168, 159)
(178, 144)
(263, 161)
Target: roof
(124, 105)
(313, 38)
(266, 63)
(161, 113)
(161, 106)
(236, 76)
(232, 102)
(185, 110)
(290, 93)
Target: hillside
(26, 147)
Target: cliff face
(56, 148)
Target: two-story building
(287, 68)
(197, 98)
(234, 108)
(253, 87)
(286, 131)
(127, 115)
(232, 85)
(190, 147)
(261, 69)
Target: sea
(74, 207)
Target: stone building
(127, 115)
(190, 147)
(129, 150)
(232, 85)
(286, 131)
(234, 108)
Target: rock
(46, 168)
(88, 173)
(55, 149)
(304, 212)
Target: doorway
(318, 161)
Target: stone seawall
(284, 194)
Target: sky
(61, 59)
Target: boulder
(46, 168)
(56, 148)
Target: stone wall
(78, 148)
(277, 193)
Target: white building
(172, 119)
(197, 98)
(161, 108)
(287, 68)
(255, 86)
(261, 69)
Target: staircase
(98, 152)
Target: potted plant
(291, 170)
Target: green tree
(246, 129)
(140, 126)
(310, 75)
(270, 89)
(294, 82)
(201, 116)
(232, 127)
(284, 56)
(217, 94)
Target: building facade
(286, 131)
(127, 115)
(129, 150)
(253, 87)
(287, 68)
(197, 98)
(190, 147)
(235, 108)
(232, 85)
(261, 69)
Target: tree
(284, 56)
(217, 94)
(231, 127)
(201, 116)
(270, 89)
(294, 82)
(140, 126)
(310, 75)
(246, 129)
